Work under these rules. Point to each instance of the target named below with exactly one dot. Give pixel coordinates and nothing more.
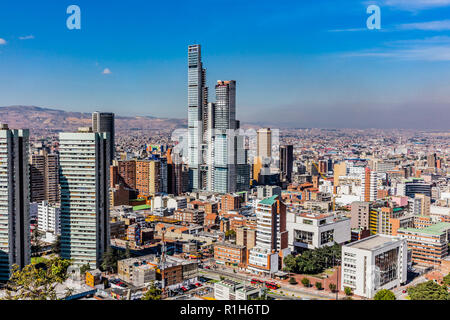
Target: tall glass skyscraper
(197, 99)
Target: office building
(104, 122)
(233, 290)
(312, 231)
(15, 240)
(84, 178)
(44, 177)
(374, 263)
(196, 104)
(287, 161)
(230, 254)
(429, 245)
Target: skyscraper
(14, 200)
(286, 162)
(196, 101)
(84, 178)
(104, 122)
(44, 177)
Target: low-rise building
(429, 245)
(374, 263)
(312, 231)
(233, 290)
(230, 254)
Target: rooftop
(269, 201)
(373, 242)
(435, 229)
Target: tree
(447, 280)
(37, 281)
(127, 254)
(384, 294)
(152, 293)
(332, 287)
(56, 246)
(290, 264)
(348, 291)
(36, 244)
(84, 268)
(429, 290)
(292, 280)
(306, 282)
(319, 285)
(110, 258)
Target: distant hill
(37, 118)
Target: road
(286, 293)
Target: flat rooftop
(435, 229)
(372, 243)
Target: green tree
(109, 261)
(306, 282)
(36, 243)
(332, 287)
(348, 291)
(37, 281)
(447, 280)
(290, 264)
(429, 290)
(127, 254)
(152, 293)
(319, 285)
(56, 246)
(384, 294)
(84, 268)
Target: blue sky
(296, 63)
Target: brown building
(246, 237)
(148, 177)
(44, 177)
(229, 202)
(127, 173)
(230, 254)
(360, 214)
(190, 216)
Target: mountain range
(46, 119)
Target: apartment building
(429, 245)
(194, 216)
(230, 254)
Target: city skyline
(315, 72)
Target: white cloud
(414, 5)
(428, 49)
(2, 41)
(440, 25)
(27, 37)
(106, 71)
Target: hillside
(44, 119)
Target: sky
(296, 63)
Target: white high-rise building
(49, 221)
(15, 245)
(84, 163)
